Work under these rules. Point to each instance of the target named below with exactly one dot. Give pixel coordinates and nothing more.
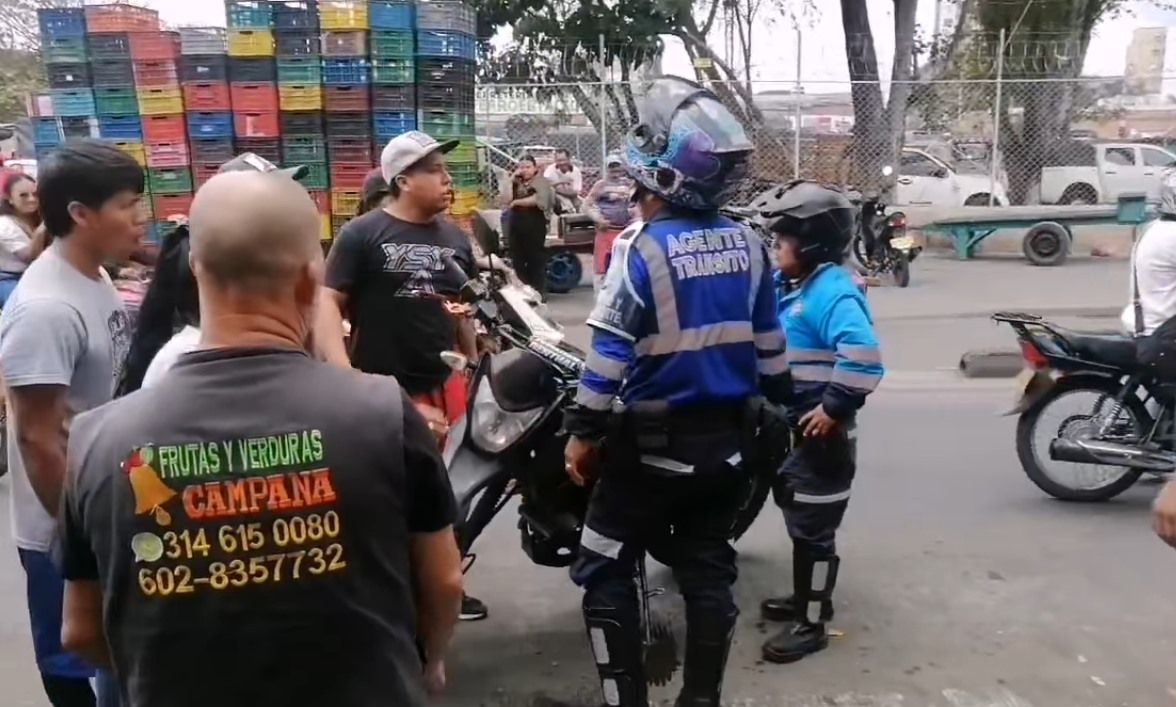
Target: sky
(774, 41)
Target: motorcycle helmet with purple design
(687, 148)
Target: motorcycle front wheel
(1076, 409)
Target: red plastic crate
(255, 97)
(167, 154)
(207, 97)
(168, 205)
(119, 17)
(350, 150)
(256, 124)
(156, 73)
(164, 129)
(201, 173)
(342, 99)
(322, 200)
(349, 176)
(146, 46)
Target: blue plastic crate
(62, 22)
(71, 102)
(347, 72)
(434, 42)
(120, 127)
(391, 14)
(210, 125)
(46, 131)
(388, 125)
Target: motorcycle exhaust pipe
(1110, 453)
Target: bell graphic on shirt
(150, 492)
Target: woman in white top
(21, 236)
(169, 317)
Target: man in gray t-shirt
(63, 337)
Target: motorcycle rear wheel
(1031, 455)
(900, 267)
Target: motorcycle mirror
(454, 360)
(887, 171)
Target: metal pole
(603, 109)
(798, 92)
(994, 158)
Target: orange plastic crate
(256, 124)
(164, 128)
(255, 97)
(207, 96)
(201, 173)
(168, 205)
(120, 17)
(167, 154)
(157, 46)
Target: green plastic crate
(303, 149)
(170, 180)
(300, 70)
(116, 101)
(64, 50)
(437, 123)
(318, 176)
(393, 70)
(392, 44)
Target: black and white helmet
(819, 217)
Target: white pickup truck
(1101, 173)
(924, 179)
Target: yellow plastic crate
(343, 14)
(325, 231)
(298, 97)
(160, 101)
(134, 149)
(464, 202)
(251, 42)
(345, 202)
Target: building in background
(1145, 61)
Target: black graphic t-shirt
(248, 520)
(397, 276)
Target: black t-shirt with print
(249, 520)
(397, 275)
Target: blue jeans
(7, 285)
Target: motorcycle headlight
(493, 429)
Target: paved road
(963, 586)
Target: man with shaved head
(259, 526)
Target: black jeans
(528, 247)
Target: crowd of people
(242, 491)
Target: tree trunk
(868, 109)
(901, 76)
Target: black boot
(813, 580)
(614, 632)
(708, 641)
(779, 608)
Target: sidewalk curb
(991, 363)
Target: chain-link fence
(973, 142)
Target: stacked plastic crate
(253, 81)
(155, 60)
(392, 46)
(207, 102)
(63, 45)
(445, 52)
(300, 98)
(347, 102)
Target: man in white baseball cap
(391, 271)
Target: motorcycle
(893, 250)
(511, 443)
(1091, 422)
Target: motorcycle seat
(1108, 348)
